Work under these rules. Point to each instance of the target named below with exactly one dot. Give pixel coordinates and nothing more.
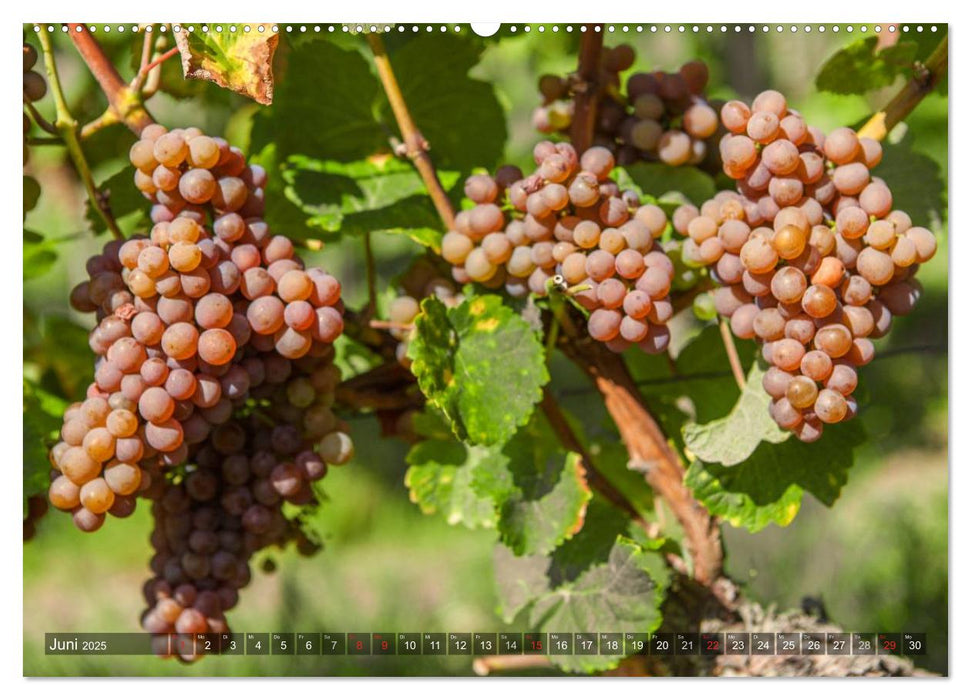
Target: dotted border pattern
(509, 29)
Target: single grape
(833, 339)
(604, 324)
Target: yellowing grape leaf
(239, 61)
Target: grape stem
(925, 78)
(39, 118)
(67, 127)
(107, 118)
(146, 49)
(416, 146)
(125, 102)
(139, 79)
(45, 141)
(587, 88)
(732, 353)
(150, 83)
(143, 73)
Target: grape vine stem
(651, 454)
(415, 144)
(587, 88)
(157, 62)
(67, 126)
(107, 118)
(732, 353)
(124, 101)
(147, 42)
(45, 141)
(39, 118)
(925, 78)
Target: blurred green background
(877, 559)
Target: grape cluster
(661, 116)
(569, 223)
(421, 280)
(35, 88)
(224, 510)
(813, 260)
(214, 384)
(36, 509)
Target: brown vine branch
(587, 88)
(415, 144)
(646, 443)
(651, 454)
(124, 101)
(390, 325)
(732, 353)
(926, 76)
(67, 126)
(385, 387)
(598, 482)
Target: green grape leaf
(768, 487)
(353, 358)
(379, 194)
(916, 181)
(732, 439)
(323, 107)
(40, 254)
(531, 490)
(58, 348)
(597, 581)
(465, 124)
(860, 67)
(127, 205)
(239, 61)
(548, 495)
(440, 480)
(481, 364)
(430, 423)
(281, 213)
(42, 421)
(658, 180)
